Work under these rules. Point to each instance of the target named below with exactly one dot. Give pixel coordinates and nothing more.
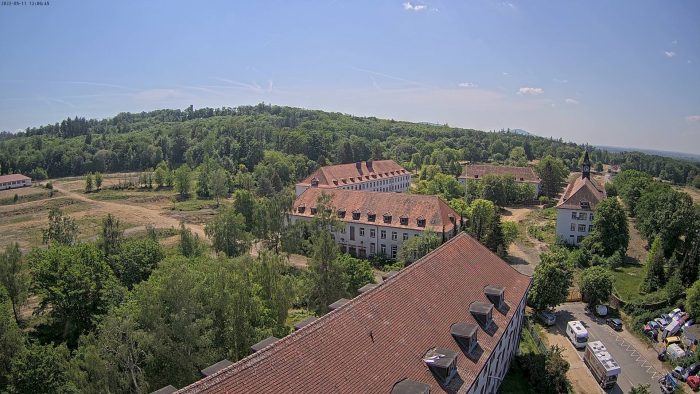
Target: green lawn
(194, 204)
(627, 280)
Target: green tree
(244, 204)
(14, 277)
(98, 180)
(356, 272)
(416, 247)
(11, 340)
(692, 299)
(136, 259)
(161, 174)
(42, 369)
(89, 183)
(276, 288)
(553, 173)
(630, 184)
(640, 389)
(654, 274)
(227, 233)
(111, 236)
(190, 244)
(595, 284)
(599, 166)
(481, 216)
(611, 233)
(182, 178)
(219, 184)
(550, 284)
(517, 157)
(666, 213)
(61, 229)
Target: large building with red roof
(379, 222)
(477, 172)
(13, 181)
(577, 205)
(448, 323)
(377, 175)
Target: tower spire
(586, 168)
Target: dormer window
(403, 220)
(355, 215)
(442, 363)
(476, 177)
(314, 182)
(341, 213)
(522, 179)
(313, 210)
(371, 216)
(301, 208)
(465, 335)
(387, 217)
(496, 295)
(482, 312)
(585, 205)
(420, 221)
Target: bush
(49, 185)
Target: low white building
(576, 207)
(378, 175)
(379, 222)
(14, 181)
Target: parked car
(615, 324)
(601, 310)
(693, 382)
(688, 323)
(547, 318)
(690, 371)
(671, 340)
(653, 335)
(678, 373)
(674, 313)
(675, 352)
(663, 320)
(654, 325)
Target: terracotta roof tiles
(354, 172)
(581, 190)
(521, 174)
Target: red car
(694, 382)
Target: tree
(481, 217)
(356, 272)
(14, 277)
(664, 212)
(135, 260)
(88, 183)
(416, 247)
(494, 237)
(244, 204)
(595, 284)
(11, 340)
(183, 180)
(640, 389)
(276, 288)
(654, 274)
(219, 184)
(550, 284)
(42, 369)
(61, 230)
(599, 166)
(98, 180)
(227, 233)
(190, 244)
(630, 184)
(692, 299)
(111, 236)
(161, 174)
(517, 157)
(552, 172)
(611, 233)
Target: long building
(379, 222)
(14, 181)
(378, 175)
(576, 206)
(448, 323)
(520, 174)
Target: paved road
(636, 362)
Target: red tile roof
(521, 174)
(581, 190)
(431, 208)
(13, 177)
(379, 337)
(354, 173)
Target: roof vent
(465, 335)
(214, 368)
(305, 323)
(169, 389)
(495, 294)
(389, 274)
(263, 344)
(442, 363)
(367, 287)
(408, 386)
(338, 304)
(482, 312)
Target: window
(393, 251)
(421, 222)
(404, 220)
(582, 216)
(387, 218)
(371, 217)
(382, 234)
(383, 248)
(590, 216)
(342, 230)
(405, 236)
(590, 228)
(394, 235)
(573, 215)
(573, 226)
(356, 215)
(579, 239)
(352, 233)
(372, 233)
(372, 248)
(313, 210)
(362, 231)
(581, 228)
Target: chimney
(495, 294)
(482, 312)
(442, 363)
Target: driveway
(638, 362)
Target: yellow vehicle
(671, 340)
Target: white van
(577, 333)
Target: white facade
(496, 368)
(4, 185)
(573, 225)
(397, 183)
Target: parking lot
(637, 361)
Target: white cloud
(508, 4)
(692, 118)
(505, 74)
(674, 42)
(557, 80)
(669, 53)
(408, 6)
(571, 101)
(530, 91)
(468, 85)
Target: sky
(622, 73)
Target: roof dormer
(387, 217)
(442, 363)
(496, 295)
(465, 335)
(482, 312)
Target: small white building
(577, 205)
(378, 175)
(379, 222)
(14, 181)
(477, 172)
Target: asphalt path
(635, 368)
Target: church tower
(586, 169)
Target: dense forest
(237, 138)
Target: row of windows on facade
(12, 183)
(371, 217)
(581, 227)
(582, 216)
(367, 185)
(393, 179)
(353, 250)
(373, 233)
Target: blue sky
(622, 73)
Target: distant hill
(673, 155)
(516, 131)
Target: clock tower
(586, 169)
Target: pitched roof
(380, 337)
(13, 177)
(581, 190)
(354, 173)
(431, 208)
(521, 174)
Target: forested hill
(243, 136)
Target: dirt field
(525, 252)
